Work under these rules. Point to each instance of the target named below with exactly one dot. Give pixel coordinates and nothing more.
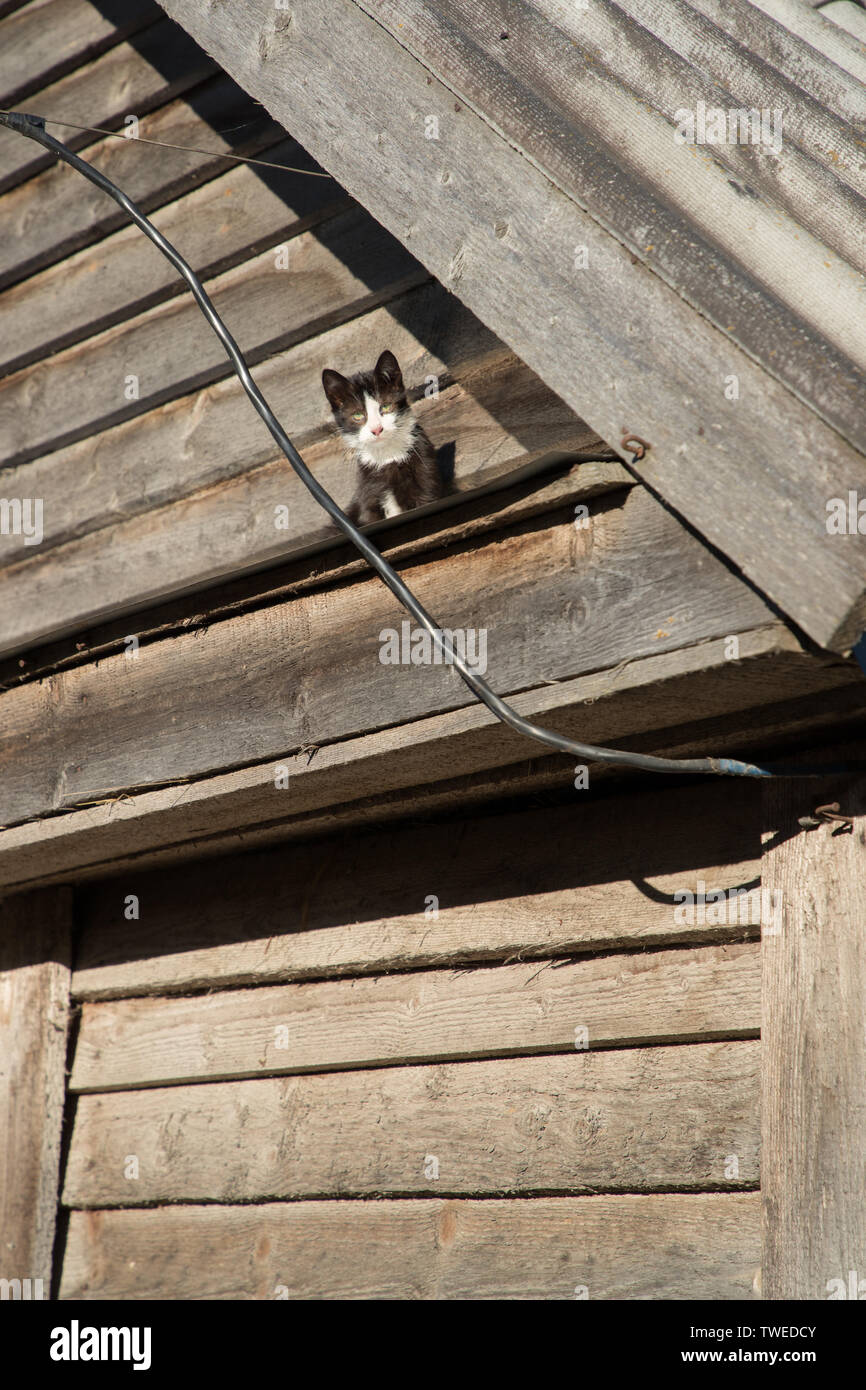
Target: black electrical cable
(33, 126)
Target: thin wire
(27, 125)
(163, 145)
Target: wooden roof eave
(625, 632)
(700, 271)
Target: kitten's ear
(388, 369)
(336, 386)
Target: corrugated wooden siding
(398, 1104)
(156, 489)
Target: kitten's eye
(387, 409)
(359, 415)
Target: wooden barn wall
(117, 406)
(485, 1057)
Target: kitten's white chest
(390, 505)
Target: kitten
(396, 463)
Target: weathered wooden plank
(814, 1051)
(9, 6)
(553, 602)
(746, 269)
(49, 217)
(506, 887)
(229, 530)
(849, 17)
(230, 219)
(637, 1119)
(515, 487)
(671, 58)
(844, 50)
(772, 690)
(510, 250)
(129, 79)
(80, 31)
(685, 995)
(669, 1246)
(193, 443)
(343, 267)
(763, 64)
(34, 1010)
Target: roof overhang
(704, 297)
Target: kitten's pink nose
(376, 429)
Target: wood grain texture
(664, 1246)
(333, 273)
(8, 6)
(814, 1057)
(510, 1010)
(639, 1119)
(35, 950)
(510, 253)
(129, 79)
(508, 887)
(765, 64)
(79, 31)
(845, 51)
(49, 217)
(195, 442)
(671, 57)
(225, 531)
(556, 601)
(399, 772)
(230, 219)
(849, 17)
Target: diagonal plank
(130, 79)
(331, 273)
(231, 219)
(80, 30)
(44, 224)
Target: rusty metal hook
(827, 815)
(635, 445)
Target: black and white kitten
(396, 463)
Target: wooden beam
(633, 1120)
(398, 772)
(304, 912)
(684, 996)
(666, 1245)
(814, 1045)
(9, 6)
(630, 351)
(35, 950)
(550, 599)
